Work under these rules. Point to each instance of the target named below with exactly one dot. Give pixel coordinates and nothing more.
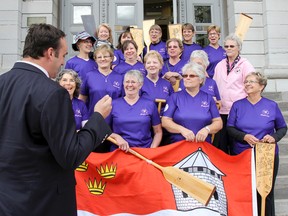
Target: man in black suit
(39, 146)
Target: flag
(121, 183)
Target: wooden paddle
(194, 187)
(265, 153)
(159, 102)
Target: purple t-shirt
(124, 67)
(162, 89)
(259, 120)
(80, 112)
(173, 68)
(81, 66)
(210, 87)
(214, 56)
(118, 57)
(159, 47)
(134, 122)
(188, 49)
(96, 86)
(193, 113)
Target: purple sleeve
(155, 116)
(170, 107)
(232, 116)
(213, 109)
(279, 119)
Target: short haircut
(40, 38)
(104, 48)
(197, 69)
(235, 38)
(202, 55)
(126, 44)
(154, 53)
(134, 73)
(188, 26)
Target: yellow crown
(107, 172)
(82, 167)
(96, 188)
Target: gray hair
(235, 38)
(75, 77)
(259, 77)
(135, 73)
(197, 69)
(201, 55)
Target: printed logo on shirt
(211, 88)
(116, 84)
(265, 113)
(78, 113)
(144, 112)
(237, 70)
(166, 107)
(165, 89)
(204, 104)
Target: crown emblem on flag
(82, 167)
(96, 188)
(107, 172)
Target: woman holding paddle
(133, 118)
(191, 114)
(257, 119)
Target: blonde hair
(155, 54)
(110, 39)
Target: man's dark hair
(41, 37)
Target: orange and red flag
(120, 183)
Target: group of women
(219, 92)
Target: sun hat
(81, 36)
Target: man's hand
(104, 106)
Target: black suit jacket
(39, 146)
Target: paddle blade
(265, 153)
(194, 187)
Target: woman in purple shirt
(70, 80)
(132, 117)
(131, 62)
(102, 81)
(191, 114)
(257, 119)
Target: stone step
(281, 187)
(283, 105)
(281, 207)
(283, 166)
(283, 146)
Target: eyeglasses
(100, 57)
(231, 46)
(189, 75)
(175, 47)
(212, 34)
(250, 81)
(130, 82)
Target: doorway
(162, 12)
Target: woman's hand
(202, 135)
(268, 138)
(188, 134)
(250, 139)
(123, 144)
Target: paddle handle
(137, 154)
(263, 205)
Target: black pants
(221, 139)
(269, 205)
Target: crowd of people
(209, 94)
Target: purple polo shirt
(214, 56)
(210, 87)
(188, 49)
(159, 47)
(96, 86)
(80, 112)
(134, 122)
(173, 68)
(123, 67)
(259, 120)
(81, 66)
(162, 89)
(193, 113)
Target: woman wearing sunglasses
(229, 75)
(191, 114)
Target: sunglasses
(227, 46)
(189, 75)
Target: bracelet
(207, 128)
